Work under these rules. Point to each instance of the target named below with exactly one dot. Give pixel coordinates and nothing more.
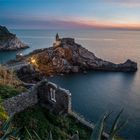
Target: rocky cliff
(69, 56)
(9, 41)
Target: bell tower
(57, 37)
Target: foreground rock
(66, 56)
(9, 41)
(29, 74)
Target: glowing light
(33, 60)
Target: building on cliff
(57, 37)
(57, 41)
(48, 95)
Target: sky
(68, 14)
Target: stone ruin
(57, 42)
(54, 98)
(60, 42)
(46, 94)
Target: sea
(95, 93)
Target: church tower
(57, 41)
(57, 37)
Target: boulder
(75, 69)
(29, 74)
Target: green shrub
(100, 127)
(42, 122)
(8, 132)
(10, 91)
(8, 77)
(3, 114)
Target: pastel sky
(58, 14)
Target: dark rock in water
(128, 66)
(68, 56)
(9, 41)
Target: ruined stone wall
(20, 102)
(61, 101)
(40, 93)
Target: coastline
(100, 87)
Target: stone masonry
(19, 103)
(54, 98)
(46, 94)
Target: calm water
(97, 92)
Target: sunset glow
(70, 14)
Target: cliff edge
(9, 41)
(66, 56)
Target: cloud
(34, 22)
(64, 23)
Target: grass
(8, 77)
(10, 91)
(3, 114)
(42, 122)
(9, 87)
(7, 91)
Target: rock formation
(72, 57)
(29, 74)
(9, 41)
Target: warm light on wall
(33, 60)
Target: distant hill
(9, 41)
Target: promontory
(9, 41)
(66, 56)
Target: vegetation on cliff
(36, 118)
(9, 91)
(37, 123)
(8, 77)
(42, 122)
(10, 86)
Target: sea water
(95, 93)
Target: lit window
(52, 94)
